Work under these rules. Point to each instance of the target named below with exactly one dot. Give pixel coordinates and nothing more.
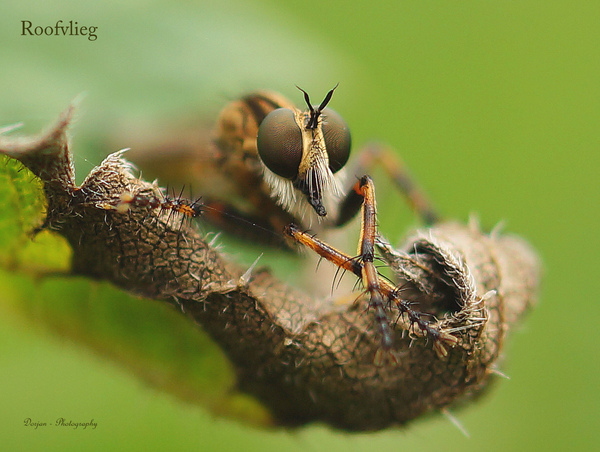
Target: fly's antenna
(313, 120)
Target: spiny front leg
(383, 294)
(379, 290)
(371, 280)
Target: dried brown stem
(304, 358)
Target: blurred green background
(495, 106)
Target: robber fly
(287, 163)
(269, 164)
(272, 165)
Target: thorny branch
(303, 358)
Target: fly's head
(302, 153)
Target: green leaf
(21, 210)
(150, 339)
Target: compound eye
(337, 139)
(279, 143)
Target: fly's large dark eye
(279, 143)
(337, 139)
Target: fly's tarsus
(166, 203)
(441, 340)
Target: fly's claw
(442, 341)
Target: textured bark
(306, 359)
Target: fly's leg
(362, 266)
(371, 280)
(376, 154)
(383, 295)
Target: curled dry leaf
(306, 359)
